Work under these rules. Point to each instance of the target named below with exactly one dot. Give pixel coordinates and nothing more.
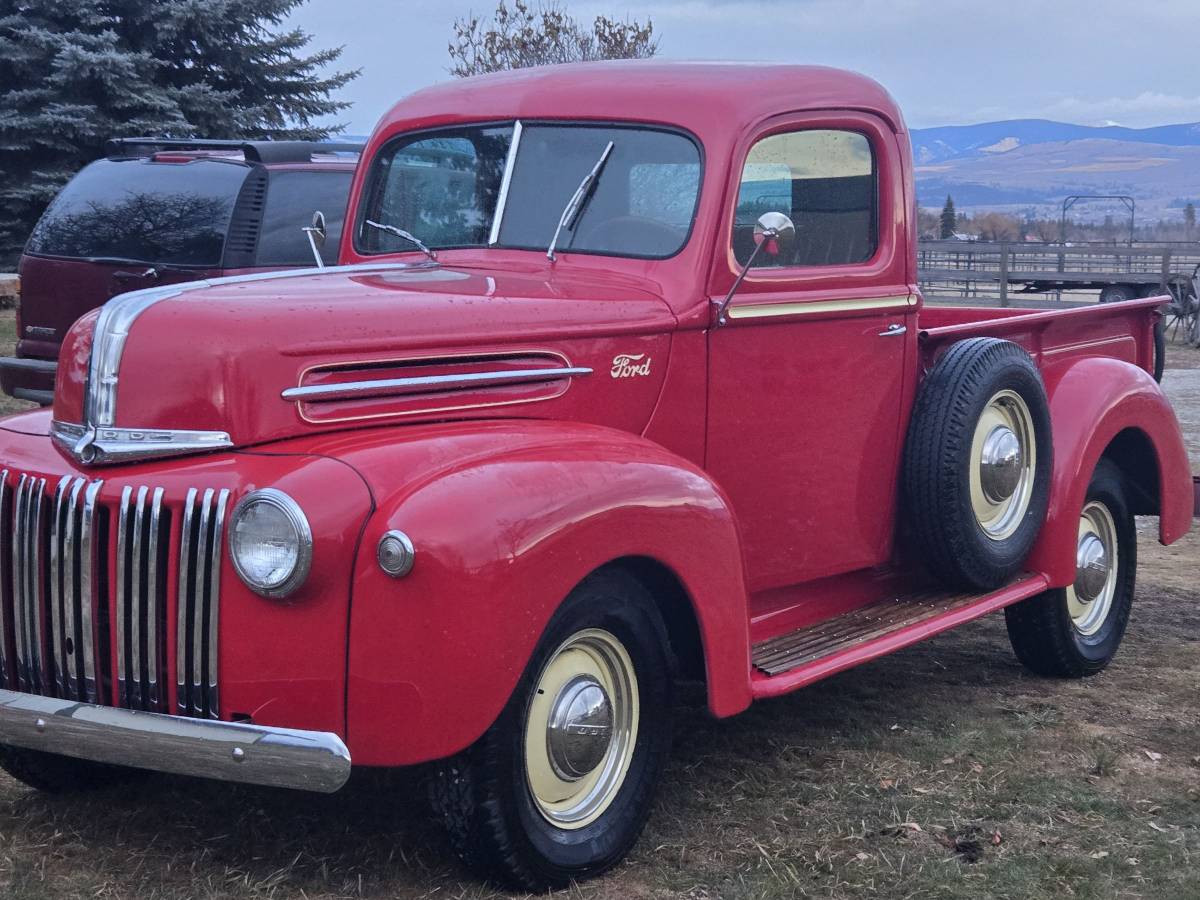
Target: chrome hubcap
(1090, 598)
(1003, 462)
(581, 728)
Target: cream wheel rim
(1003, 463)
(1090, 597)
(581, 728)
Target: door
(806, 377)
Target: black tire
(483, 795)
(1041, 629)
(54, 774)
(1116, 293)
(938, 463)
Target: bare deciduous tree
(523, 35)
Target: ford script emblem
(627, 365)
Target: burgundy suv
(161, 211)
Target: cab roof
(710, 99)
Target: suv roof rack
(254, 151)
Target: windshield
(143, 211)
(448, 189)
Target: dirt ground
(944, 771)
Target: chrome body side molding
(423, 384)
(228, 751)
(819, 307)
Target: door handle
(894, 329)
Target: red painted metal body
(754, 465)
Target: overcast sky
(946, 61)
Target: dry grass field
(945, 771)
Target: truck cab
(623, 378)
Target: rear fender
(507, 518)
(1092, 401)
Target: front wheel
(1074, 632)
(559, 788)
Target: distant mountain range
(1027, 166)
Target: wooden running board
(799, 657)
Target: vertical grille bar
(35, 584)
(64, 578)
(124, 549)
(27, 581)
(183, 613)
(7, 591)
(214, 601)
(137, 597)
(20, 635)
(141, 601)
(199, 603)
(86, 598)
(154, 601)
(56, 585)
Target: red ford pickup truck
(623, 378)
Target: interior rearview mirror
(774, 235)
(317, 233)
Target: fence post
(1164, 284)
(1004, 274)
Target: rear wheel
(1075, 631)
(559, 788)
(56, 774)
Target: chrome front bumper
(254, 754)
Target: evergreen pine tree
(1189, 219)
(74, 74)
(949, 219)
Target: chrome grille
(72, 596)
(143, 535)
(86, 590)
(27, 581)
(199, 588)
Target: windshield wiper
(401, 233)
(579, 200)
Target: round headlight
(270, 543)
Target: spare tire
(977, 463)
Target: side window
(825, 182)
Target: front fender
(1092, 400)
(507, 518)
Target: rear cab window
(826, 182)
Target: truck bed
(1121, 330)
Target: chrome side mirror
(774, 235)
(317, 233)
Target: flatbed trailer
(1119, 272)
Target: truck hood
(246, 360)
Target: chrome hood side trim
(105, 446)
(96, 440)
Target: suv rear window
(292, 198)
(160, 213)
